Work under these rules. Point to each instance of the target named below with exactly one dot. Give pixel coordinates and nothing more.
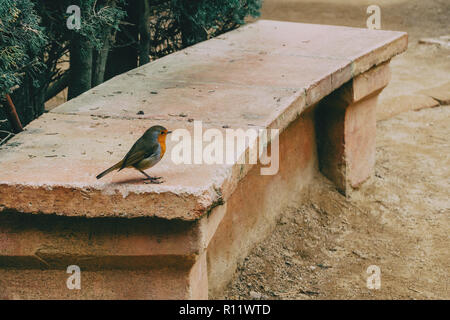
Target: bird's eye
(162, 132)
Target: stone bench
(182, 239)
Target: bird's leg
(151, 179)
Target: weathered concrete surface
(188, 232)
(113, 284)
(51, 168)
(267, 59)
(258, 75)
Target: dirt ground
(399, 221)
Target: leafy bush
(21, 43)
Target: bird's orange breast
(162, 143)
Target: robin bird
(144, 154)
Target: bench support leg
(346, 129)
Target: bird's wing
(137, 153)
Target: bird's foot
(154, 180)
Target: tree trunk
(29, 100)
(57, 86)
(99, 63)
(80, 66)
(144, 32)
(12, 115)
(191, 33)
(124, 56)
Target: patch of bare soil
(420, 18)
(399, 221)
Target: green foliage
(98, 18)
(21, 43)
(180, 23)
(209, 18)
(215, 14)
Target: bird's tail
(114, 167)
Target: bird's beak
(169, 132)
